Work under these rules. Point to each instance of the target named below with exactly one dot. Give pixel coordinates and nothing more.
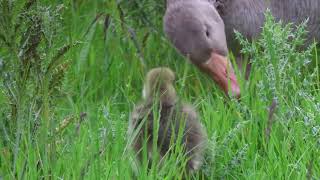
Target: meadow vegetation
(72, 71)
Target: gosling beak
(220, 70)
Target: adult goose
(202, 30)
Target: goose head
(195, 28)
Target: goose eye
(207, 33)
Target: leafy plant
(284, 77)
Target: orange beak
(220, 70)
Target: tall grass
(64, 112)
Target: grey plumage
(195, 29)
(245, 16)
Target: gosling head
(159, 82)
